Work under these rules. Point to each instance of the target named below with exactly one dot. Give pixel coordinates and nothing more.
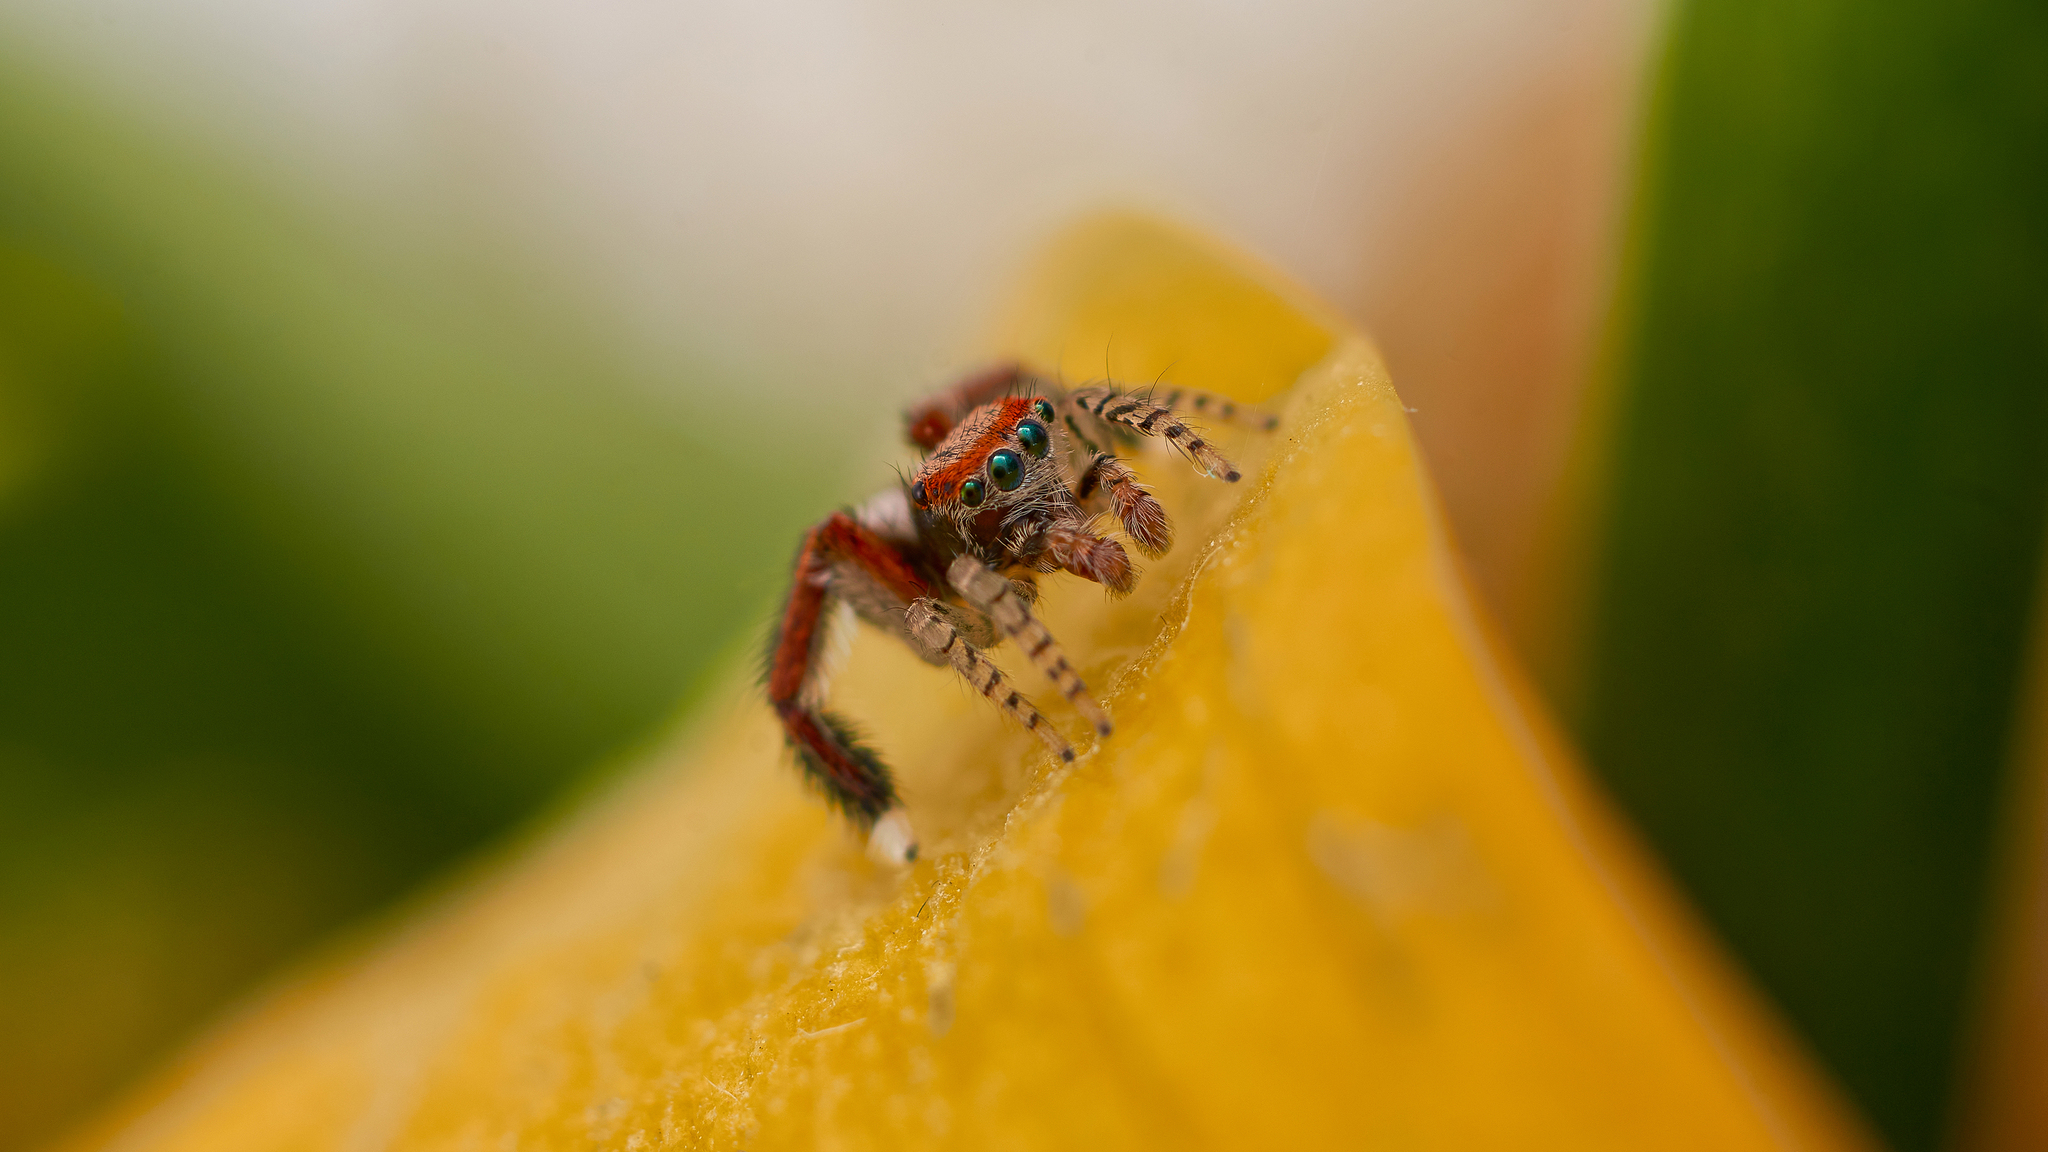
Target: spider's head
(996, 463)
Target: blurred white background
(826, 197)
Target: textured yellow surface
(1331, 884)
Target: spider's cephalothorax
(1017, 474)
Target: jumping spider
(1014, 478)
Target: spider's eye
(971, 493)
(1033, 436)
(1006, 469)
(1042, 408)
(918, 494)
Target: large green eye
(1042, 408)
(1006, 469)
(971, 493)
(1033, 436)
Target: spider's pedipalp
(991, 593)
(932, 630)
(1143, 519)
(1072, 545)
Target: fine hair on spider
(1019, 474)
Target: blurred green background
(1825, 504)
(332, 549)
(320, 565)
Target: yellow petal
(1331, 884)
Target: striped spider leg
(1099, 415)
(1143, 414)
(1016, 476)
(998, 599)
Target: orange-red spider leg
(927, 422)
(850, 774)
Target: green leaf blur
(1825, 503)
(325, 555)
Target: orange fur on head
(963, 453)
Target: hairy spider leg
(1151, 419)
(990, 593)
(1143, 518)
(927, 422)
(938, 636)
(851, 775)
(1211, 406)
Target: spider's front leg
(989, 592)
(852, 777)
(1209, 404)
(1148, 417)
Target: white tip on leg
(892, 843)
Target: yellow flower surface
(1332, 883)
